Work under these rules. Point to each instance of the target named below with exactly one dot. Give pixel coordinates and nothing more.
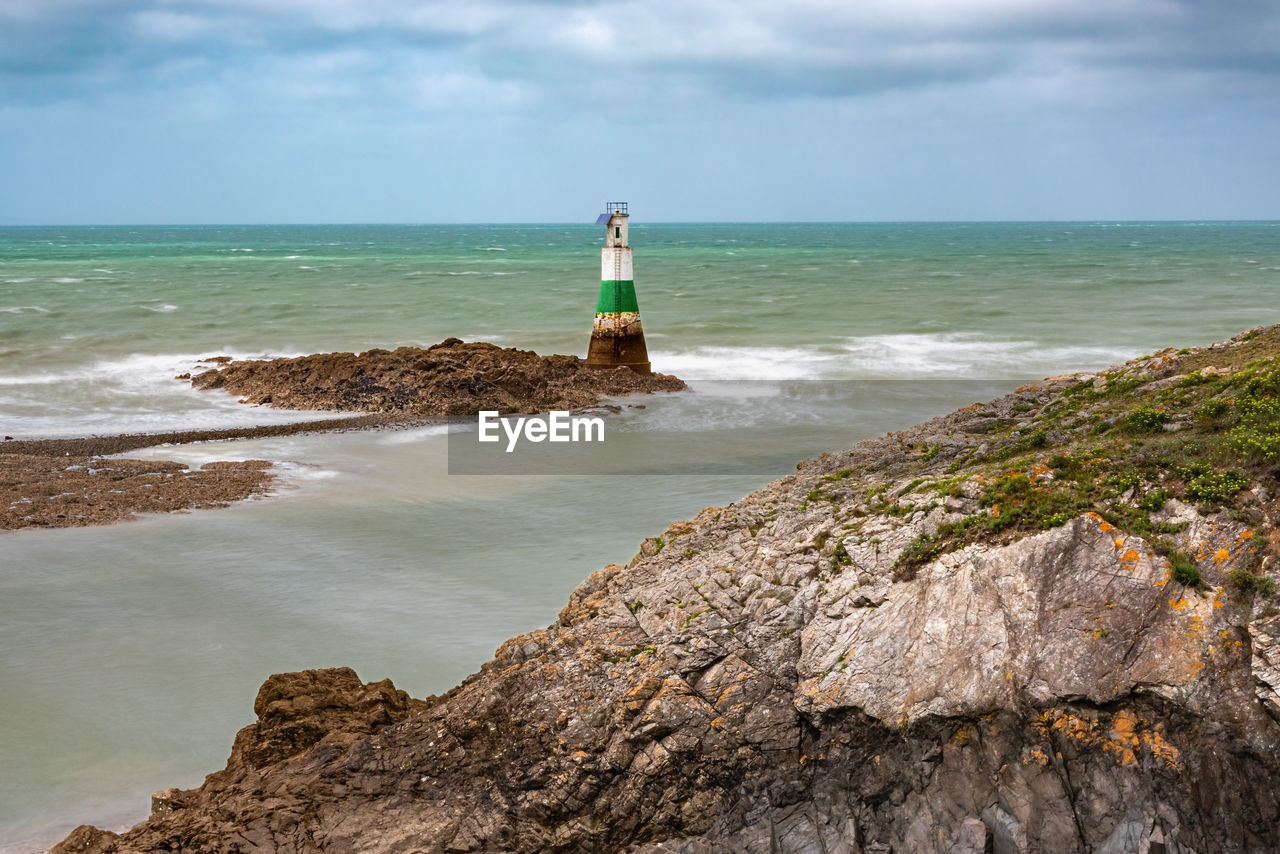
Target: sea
(131, 654)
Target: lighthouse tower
(616, 336)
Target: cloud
(719, 99)
(164, 25)
(742, 48)
(814, 48)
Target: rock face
(449, 378)
(910, 646)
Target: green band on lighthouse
(617, 297)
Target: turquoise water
(66, 293)
(129, 655)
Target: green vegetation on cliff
(1198, 426)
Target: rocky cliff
(1041, 624)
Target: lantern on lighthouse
(616, 336)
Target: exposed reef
(1046, 623)
(47, 491)
(452, 378)
(121, 443)
(47, 483)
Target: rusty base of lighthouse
(618, 341)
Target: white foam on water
(68, 280)
(492, 249)
(19, 309)
(132, 366)
(744, 363)
(966, 356)
(415, 434)
(163, 309)
(19, 281)
(136, 393)
(298, 473)
(193, 456)
(897, 356)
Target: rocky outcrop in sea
(452, 378)
(51, 483)
(47, 490)
(1046, 623)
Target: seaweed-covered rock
(44, 490)
(452, 378)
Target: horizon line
(413, 224)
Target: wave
(294, 473)
(128, 394)
(20, 309)
(137, 367)
(163, 309)
(898, 356)
(413, 434)
(960, 355)
(744, 363)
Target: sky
(270, 111)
